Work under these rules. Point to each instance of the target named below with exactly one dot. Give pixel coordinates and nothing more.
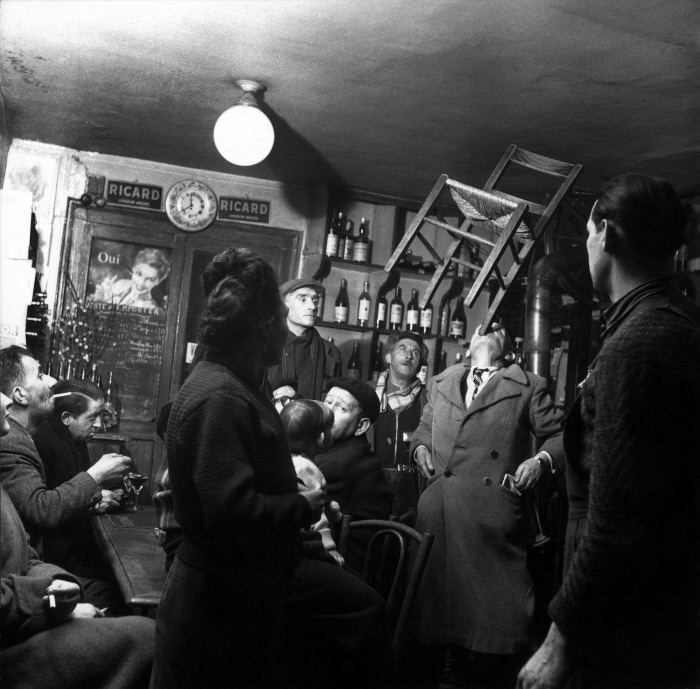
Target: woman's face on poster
(145, 277)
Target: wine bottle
(396, 309)
(98, 382)
(445, 316)
(413, 313)
(363, 306)
(380, 312)
(321, 291)
(426, 319)
(342, 303)
(458, 322)
(354, 369)
(349, 247)
(360, 252)
(378, 365)
(443, 361)
(340, 231)
(332, 240)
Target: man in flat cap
(353, 472)
(307, 357)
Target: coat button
(494, 454)
(447, 473)
(488, 481)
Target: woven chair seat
(481, 206)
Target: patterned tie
(478, 372)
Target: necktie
(478, 380)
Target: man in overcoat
(476, 592)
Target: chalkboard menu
(127, 289)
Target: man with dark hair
(307, 356)
(22, 470)
(401, 399)
(49, 637)
(628, 612)
(353, 472)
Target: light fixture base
(251, 86)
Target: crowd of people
(267, 445)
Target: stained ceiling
(381, 95)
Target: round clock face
(191, 205)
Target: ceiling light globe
(243, 135)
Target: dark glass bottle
(426, 319)
(413, 313)
(518, 353)
(342, 303)
(354, 368)
(378, 365)
(360, 251)
(458, 322)
(443, 361)
(364, 305)
(380, 312)
(396, 309)
(340, 231)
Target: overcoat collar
(512, 381)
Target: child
(307, 425)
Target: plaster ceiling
(382, 95)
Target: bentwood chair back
(394, 562)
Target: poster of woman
(130, 277)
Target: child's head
(151, 267)
(307, 425)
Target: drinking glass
(134, 483)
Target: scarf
(398, 399)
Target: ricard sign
(134, 194)
(252, 210)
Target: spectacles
(284, 400)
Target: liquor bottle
(363, 306)
(458, 358)
(93, 373)
(443, 362)
(380, 312)
(342, 303)
(518, 354)
(332, 240)
(413, 313)
(445, 316)
(458, 322)
(98, 382)
(349, 247)
(378, 365)
(354, 370)
(360, 252)
(396, 309)
(426, 319)
(340, 231)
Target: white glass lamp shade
(244, 135)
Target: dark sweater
(630, 602)
(232, 477)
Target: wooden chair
(507, 226)
(394, 563)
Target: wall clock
(191, 205)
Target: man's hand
(316, 499)
(109, 468)
(110, 501)
(62, 597)
(86, 611)
(550, 666)
(424, 460)
(528, 474)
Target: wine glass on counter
(134, 483)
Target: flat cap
(362, 392)
(298, 283)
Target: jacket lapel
(505, 383)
